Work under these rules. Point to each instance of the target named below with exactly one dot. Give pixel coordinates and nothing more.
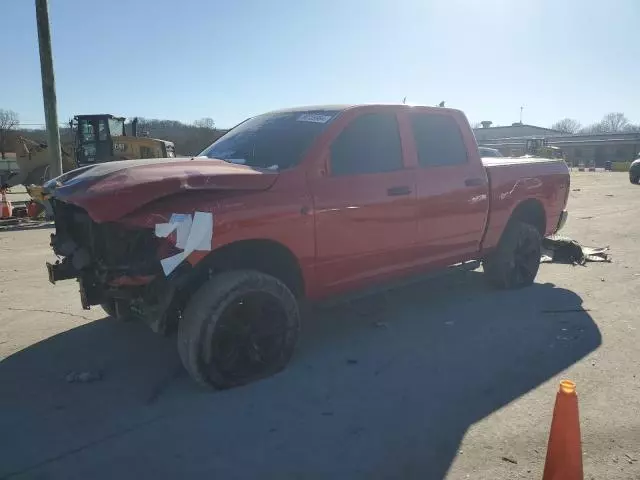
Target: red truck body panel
(109, 191)
(516, 180)
(346, 232)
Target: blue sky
(189, 59)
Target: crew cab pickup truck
(293, 205)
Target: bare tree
(567, 125)
(205, 123)
(475, 125)
(631, 128)
(8, 121)
(593, 129)
(614, 122)
(188, 138)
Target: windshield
(86, 131)
(116, 126)
(273, 140)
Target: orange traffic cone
(564, 452)
(6, 210)
(34, 210)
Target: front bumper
(562, 220)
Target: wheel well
(265, 256)
(532, 212)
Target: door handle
(398, 191)
(474, 182)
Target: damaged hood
(108, 191)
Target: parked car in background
(634, 171)
(295, 206)
(486, 152)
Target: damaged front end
(117, 266)
(131, 232)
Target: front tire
(240, 326)
(516, 261)
(109, 308)
(634, 179)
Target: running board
(397, 284)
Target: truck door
(364, 205)
(452, 188)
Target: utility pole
(521, 109)
(48, 88)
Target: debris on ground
(510, 460)
(564, 250)
(83, 377)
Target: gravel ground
(444, 378)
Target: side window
(369, 144)
(102, 130)
(438, 140)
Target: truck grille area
(108, 248)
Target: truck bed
(511, 180)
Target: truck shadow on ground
(384, 387)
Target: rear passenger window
(369, 144)
(438, 140)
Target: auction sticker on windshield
(314, 117)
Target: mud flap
(84, 300)
(61, 271)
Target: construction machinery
(539, 147)
(96, 139)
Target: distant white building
(517, 130)
(591, 149)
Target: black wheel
(239, 327)
(110, 309)
(516, 261)
(634, 179)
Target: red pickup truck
(305, 203)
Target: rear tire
(240, 326)
(110, 309)
(516, 261)
(635, 180)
